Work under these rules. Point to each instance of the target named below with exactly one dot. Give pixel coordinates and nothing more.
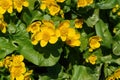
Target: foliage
(61, 39)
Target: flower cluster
(83, 3)
(94, 42)
(9, 5)
(16, 67)
(45, 32)
(115, 75)
(3, 24)
(52, 6)
(92, 59)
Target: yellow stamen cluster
(52, 6)
(3, 24)
(9, 5)
(94, 42)
(16, 67)
(45, 32)
(92, 59)
(115, 75)
(83, 3)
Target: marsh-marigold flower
(18, 4)
(45, 3)
(34, 27)
(117, 74)
(62, 30)
(53, 9)
(73, 38)
(6, 5)
(78, 23)
(92, 59)
(83, 3)
(111, 77)
(94, 42)
(47, 35)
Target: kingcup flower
(115, 75)
(9, 5)
(94, 42)
(45, 32)
(16, 67)
(92, 59)
(78, 23)
(63, 29)
(83, 3)
(52, 6)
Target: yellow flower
(47, 35)
(92, 59)
(18, 4)
(117, 74)
(63, 30)
(7, 62)
(34, 27)
(118, 13)
(73, 38)
(46, 3)
(35, 38)
(111, 77)
(6, 5)
(27, 75)
(94, 42)
(81, 3)
(48, 24)
(60, 1)
(89, 2)
(53, 9)
(17, 71)
(78, 23)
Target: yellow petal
(2, 11)
(63, 38)
(19, 9)
(21, 77)
(10, 10)
(81, 3)
(43, 6)
(26, 4)
(43, 43)
(53, 40)
(4, 29)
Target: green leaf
(31, 4)
(84, 41)
(106, 4)
(103, 31)
(82, 73)
(48, 56)
(116, 48)
(6, 47)
(91, 21)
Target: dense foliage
(59, 39)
